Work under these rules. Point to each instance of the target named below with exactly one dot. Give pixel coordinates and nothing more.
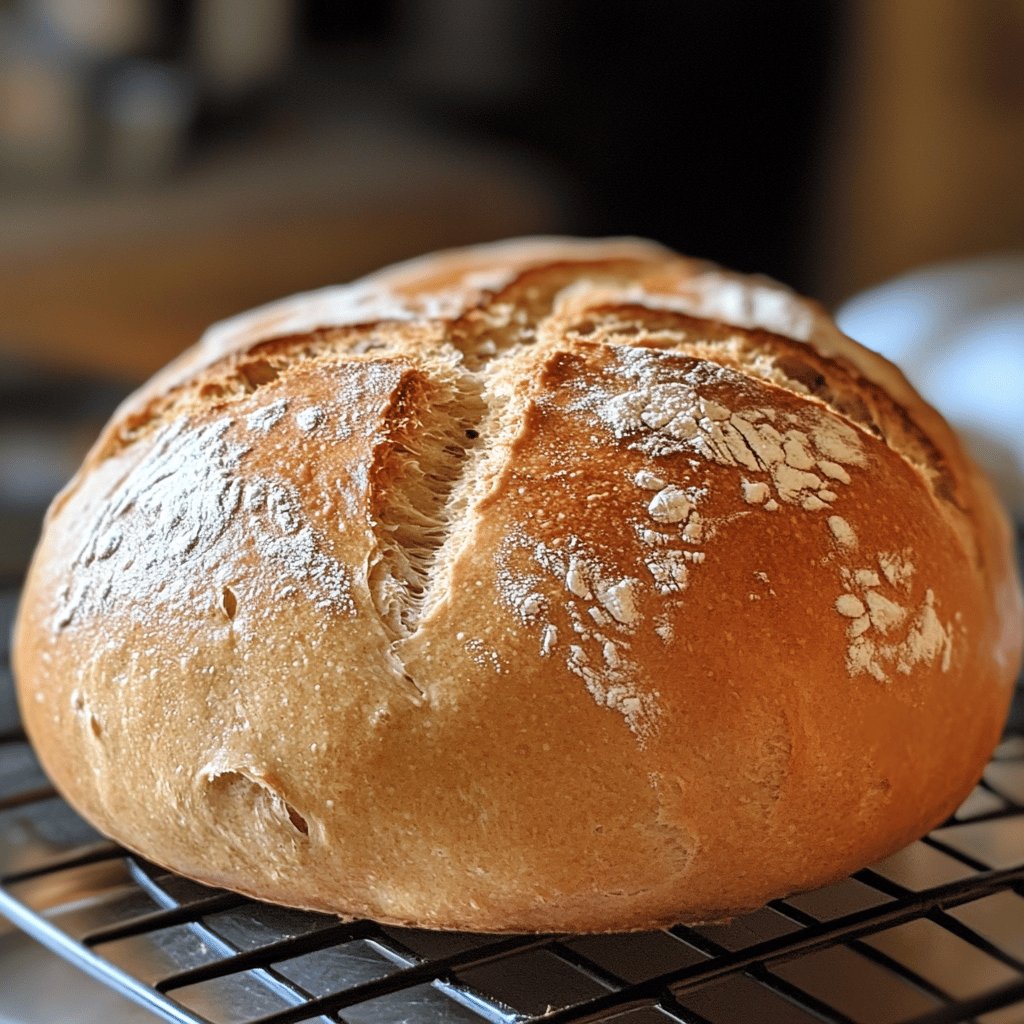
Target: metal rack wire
(932, 935)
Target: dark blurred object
(146, 108)
(173, 161)
(44, 111)
(109, 90)
(241, 46)
(47, 423)
(123, 282)
(476, 58)
(927, 155)
(105, 28)
(649, 116)
(699, 125)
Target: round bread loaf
(550, 585)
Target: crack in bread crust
(416, 468)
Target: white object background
(957, 332)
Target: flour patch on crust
(598, 614)
(887, 634)
(164, 538)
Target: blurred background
(166, 163)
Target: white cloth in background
(957, 332)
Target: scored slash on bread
(550, 585)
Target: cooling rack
(932, 935)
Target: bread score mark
(419, 458)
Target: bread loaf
(551, 585)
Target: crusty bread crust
(554, 585)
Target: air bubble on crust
(81, 709)
(257, 373)
(242, 797)
(299, 823)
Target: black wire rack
(932, 935)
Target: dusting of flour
(165, 540)
(602, 611)
(785, 458)
(885, 632)
(667, 409)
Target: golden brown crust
(553, 586)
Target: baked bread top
(548, 585)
